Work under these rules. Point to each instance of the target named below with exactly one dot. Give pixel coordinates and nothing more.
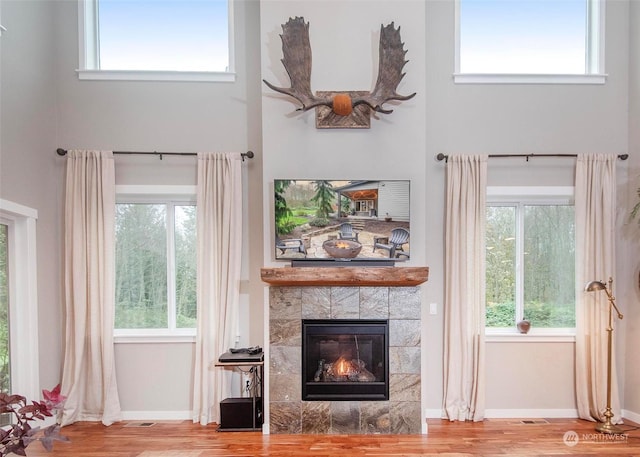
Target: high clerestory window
(521, 41)
(156, 39)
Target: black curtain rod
(445, 157)
(248, 154)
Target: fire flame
(343, 367)
(342, 245)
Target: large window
(156, 39)
(155, 268)
(530, 264)
(529, 38)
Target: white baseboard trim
(635, 417)
(517, 413)
(530, 413)
(156, 415)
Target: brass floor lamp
(607, 426)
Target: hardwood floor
(494, 437)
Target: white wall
(512, 368)
(631, 234)
(443, 117)
(44, 106)
(516, 119)
(28, 165)
(167, 116)
(344, 41)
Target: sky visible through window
(523, 36)
(164, 35)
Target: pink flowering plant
(15, 438)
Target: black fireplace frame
(345, 391)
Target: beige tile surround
(289, 414)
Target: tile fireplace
(357, 294)
(289, 413)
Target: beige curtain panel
(595, 206)
(89, 377)
(464, 307)
(219, 234)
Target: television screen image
(342, 220)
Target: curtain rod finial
(61, 152)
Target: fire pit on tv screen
(342, 220)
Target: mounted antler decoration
(341, 109)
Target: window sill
(472, 78)
(130, 75)
(532, 337)
(146, 339)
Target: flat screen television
(342, 220)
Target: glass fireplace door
(345, 359)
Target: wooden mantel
(345, 276)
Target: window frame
(594, 60)
(159, 194)
(88, 52)
(2, 27)
(522, 196)
(23, 296)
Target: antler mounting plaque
(341, 109)
(359, 118)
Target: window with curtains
(530, 260)
(530, 40)
(184, 40)
(155, 267)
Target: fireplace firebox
(345, 359)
